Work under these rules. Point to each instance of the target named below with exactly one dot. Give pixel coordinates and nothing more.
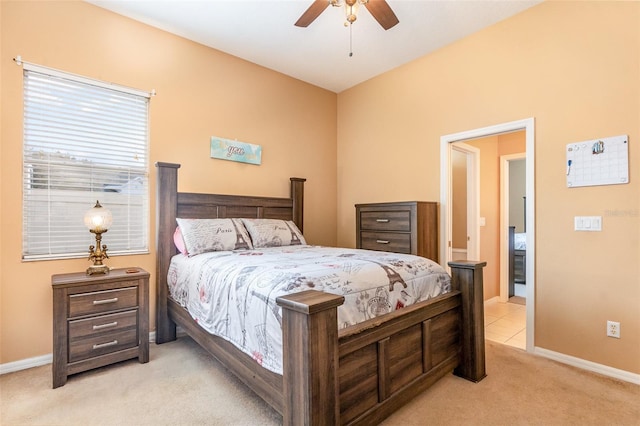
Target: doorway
(446, 202)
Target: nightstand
(99, 320)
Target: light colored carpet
(183, 385)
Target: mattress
(232, 294)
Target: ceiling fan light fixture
(351, 9)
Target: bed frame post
(310, 391)
(297, 195)
(166, 196)
(466, 277)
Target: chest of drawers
(404, 227)
(99, 320)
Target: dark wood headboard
(171, 204)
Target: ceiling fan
(379, 9)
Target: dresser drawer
(102, 301)
(386, 220)
(386, 241)
(80, 349)
(520, 267)
(102, 324)
(405, 227)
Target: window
(83, 141)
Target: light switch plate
(587, 223)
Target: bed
(358, 374)
(517, 259)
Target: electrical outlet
(613, 329)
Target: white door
(465, 202)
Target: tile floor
(505, 323)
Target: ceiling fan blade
(316, 8)
(381, 10)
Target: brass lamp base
(97, 255)
(97, 269)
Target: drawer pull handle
(382, 241)
(104, 345)
(105, 301)
(101, 326)
(382, 220)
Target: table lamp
(98, 220)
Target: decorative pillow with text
(204, 235)
(273, 233)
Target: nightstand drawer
(386, 220)
(102, 301)
(100, 345)
(102, 324)
(386, 241)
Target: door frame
(528, 125)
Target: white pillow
(203, 235)
(273, 233)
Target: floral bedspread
(233, 293)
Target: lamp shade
(98, 218)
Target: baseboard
(605, 370)
(38, 361)
(23, 364)
(492, 300)
(458, 254)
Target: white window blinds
(83, 142)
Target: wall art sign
(226, 149)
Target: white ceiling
(262, 32)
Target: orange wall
(575, 68)
(201, 93)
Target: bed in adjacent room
(324, 335)
(517, 260)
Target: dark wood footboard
(381, 363)
(466, 277)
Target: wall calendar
(598, 162)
